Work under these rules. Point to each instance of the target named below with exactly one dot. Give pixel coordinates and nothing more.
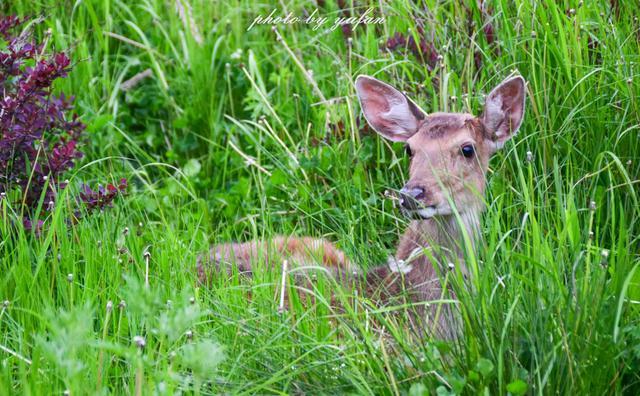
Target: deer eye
(407, 149)
(468, 150)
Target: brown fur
(304, 251)
(432, 245)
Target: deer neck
(441, 238)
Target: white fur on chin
(427, 213)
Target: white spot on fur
(317, 245)
(399, 266)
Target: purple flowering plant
(40, 136)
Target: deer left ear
(504, 110)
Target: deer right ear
(387, 110)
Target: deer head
(449, 151)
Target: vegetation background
(234, 135)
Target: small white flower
(237, 54)
(529, 156)
(139, 341)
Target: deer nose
(409, 197)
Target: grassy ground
(553, 309)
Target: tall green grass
(229, 140)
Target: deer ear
(504, 110)
(387, 110)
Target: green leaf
(180, 122)
(484, 367)
(418, 389)
(517, 387)
(98, 122)
(192, 167)
(456, 382)
(444, 391)
(278, 177)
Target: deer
(443, 199)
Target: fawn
(449, 158)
